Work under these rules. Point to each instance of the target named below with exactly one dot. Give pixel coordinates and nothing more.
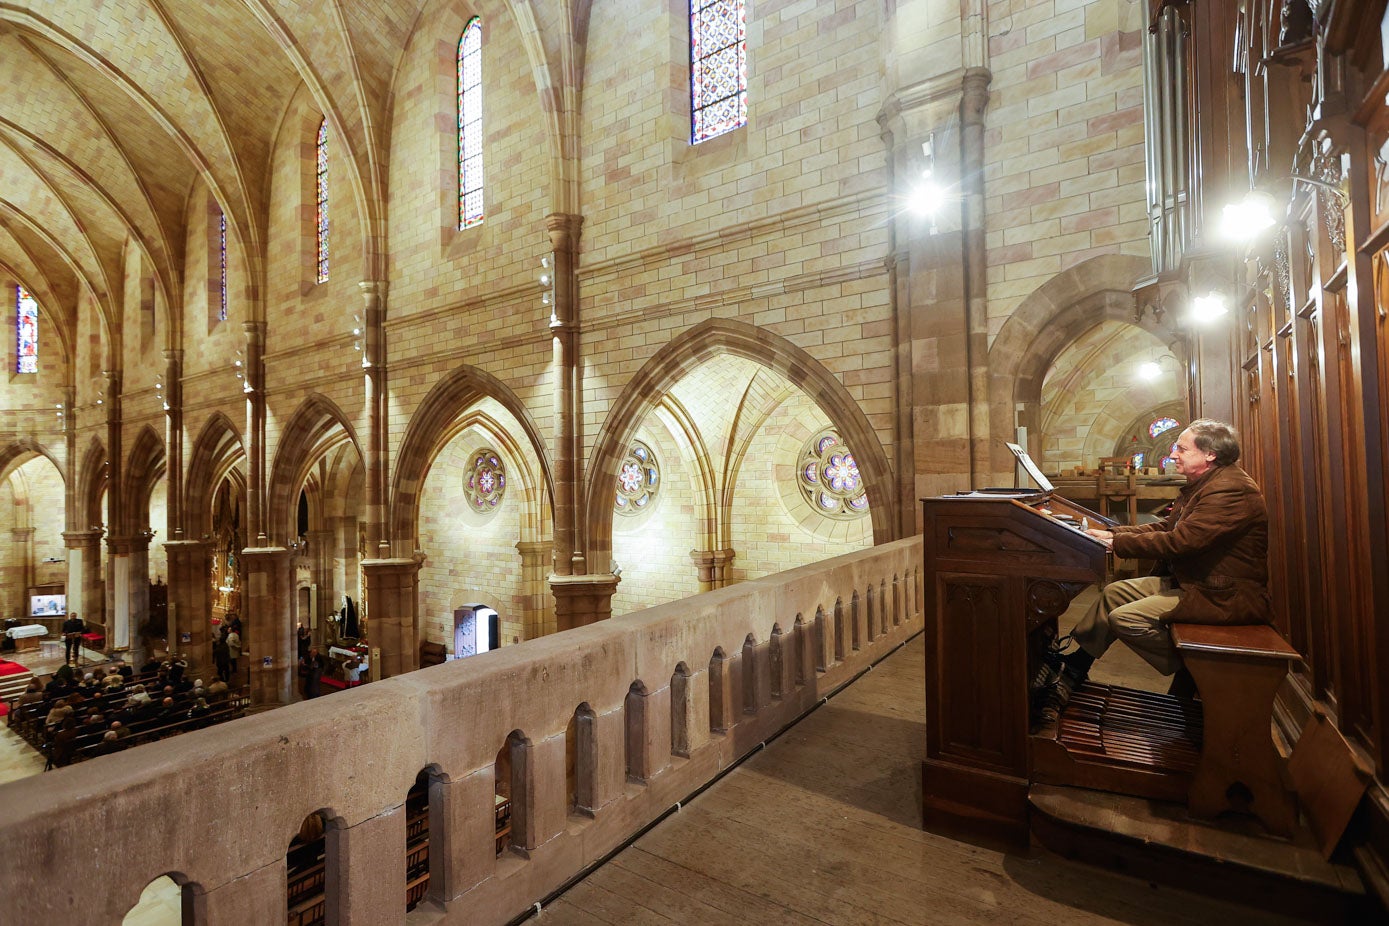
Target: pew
(1238, 670)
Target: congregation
(80, 714)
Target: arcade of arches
(380, 316)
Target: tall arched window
(718, 68)
(321, 173)
(26, 325)
(470, 125)
(222, 260)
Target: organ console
(1000, 568)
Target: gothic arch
(91, 482)
(433, 425)
(1052, 316)
(21, 451)
(143, 468)
(217, 450)
(681, 356)
(316, 427)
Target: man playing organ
(1212, 553)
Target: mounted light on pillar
(357, 333)
(1208, 309)
(927, 196)
(546, 279)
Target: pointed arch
(216, 451)
(433, 424)
(678, 358)
(316, 427)
(1045, 322)
(143, 468)
(92, 477)
(18, 452)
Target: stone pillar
(253, 387)
(85, 592)
(23, 540)
(267, 639)
(359, 888)
(121, 633)
(375, 463)
(321, 547)
(190, 596)
(115, 455)
(974, 99)
(548, 811)
(648, 732)
(569, 558)
(537, 607)
(392, 596)
(713, 567)
(581, 600)
(173, 443)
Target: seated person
(110, 742)
(217, 691)
(1212, 552)
(113, 682)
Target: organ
(1000, 568)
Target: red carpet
(11, 668)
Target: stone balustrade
(602, 730)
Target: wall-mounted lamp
(1251, 216)
(546, 279)
(1152, 369)
(357, 333)
(159, 391)
(927, 197)
(59, 407)
(1207, 309)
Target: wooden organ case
(999, 570)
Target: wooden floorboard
(823, 827)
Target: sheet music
(1032, 468)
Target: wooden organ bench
(1238, 670)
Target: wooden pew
(1238, 670)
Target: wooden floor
(823, 826)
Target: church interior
(640, 347)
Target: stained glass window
(1137, 461)
(321, 147)
(638, 480)
(222, 259)
(829, 478)
(26, 324)
(1162, 424)
(470, 125)
(718, 68)
(485, 483)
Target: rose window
(486, 481)
(638, 479)
(829, 478)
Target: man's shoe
(1054, 699)
(1183, 686)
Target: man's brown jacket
(1215, 545)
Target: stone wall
(253, 781)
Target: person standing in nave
(73, 628)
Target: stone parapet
(616, 684)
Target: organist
(1212, 553)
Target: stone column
(537, 607)
(713, 567)
(569, 555)
(115, 455)
(374, 458)
(85, 592)
(267, 639)
(258, 897)
(581, 600)
(393, 594)
(190, 596)
(120, 634)
(461, 819)
(173, 442)
(253, 387)
(23, 539)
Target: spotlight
(1207, 309)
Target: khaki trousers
(1135, 611)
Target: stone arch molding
(1049, 318)
(682, 355)
(316, 426)
(143, 468)
(16, 453)
(434, 423)
(216, 451)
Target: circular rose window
(485, 483)
(638, 480)
(829, 479)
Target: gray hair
(1215, 437)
